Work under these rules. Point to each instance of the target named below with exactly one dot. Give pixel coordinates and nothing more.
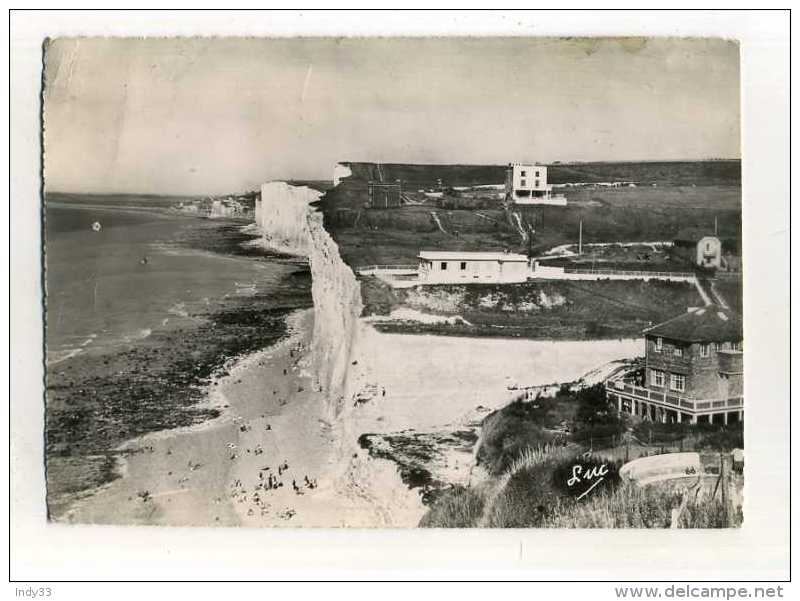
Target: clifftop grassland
(668, 197)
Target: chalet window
(463, 265)
(677, 382)
(658, 345)
(657, 378)
(705, 350)
(677, 351)
(444, 266)
(736, 346)
(717, 346)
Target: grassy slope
(537, 309)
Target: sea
(110, 286)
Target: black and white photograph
(394, 283)
(404, 282)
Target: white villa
(527, 185)
(464, 267)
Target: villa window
(658, 345)
(657, 378)
(537, 174)
(718, 346)
(522, 183)
(677, 351)
(736, 346)
(677, 382)
(705, 350)
(444, 266)
(463, 265)
(537, 183)
(522, 173)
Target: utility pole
(580, 237)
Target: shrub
(723, 439)
(600, 436)
(593, 406)
(659, 432)
(525, 492)
(509, 431)
(458, 507)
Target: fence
(374, 268)
(727, 275)
(649, 274)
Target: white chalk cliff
(289, 224)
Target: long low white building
(465, 267)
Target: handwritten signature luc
(580, 473)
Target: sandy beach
(218, 473)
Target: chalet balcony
(686, 404)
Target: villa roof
(464, 255)
(705, 324)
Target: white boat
(96, 226)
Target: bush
(597, 420)
(458, 507)
(601, 436)
(526, 492)
(594, 408)
(510, 430)
(723, 439)
(658, 432)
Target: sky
(222, 115)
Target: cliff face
(290, 225)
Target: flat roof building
(470, 267)
(527, 185)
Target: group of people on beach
(269, 479)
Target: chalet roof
(464, 255)
(705, 324)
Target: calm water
(102, 293)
